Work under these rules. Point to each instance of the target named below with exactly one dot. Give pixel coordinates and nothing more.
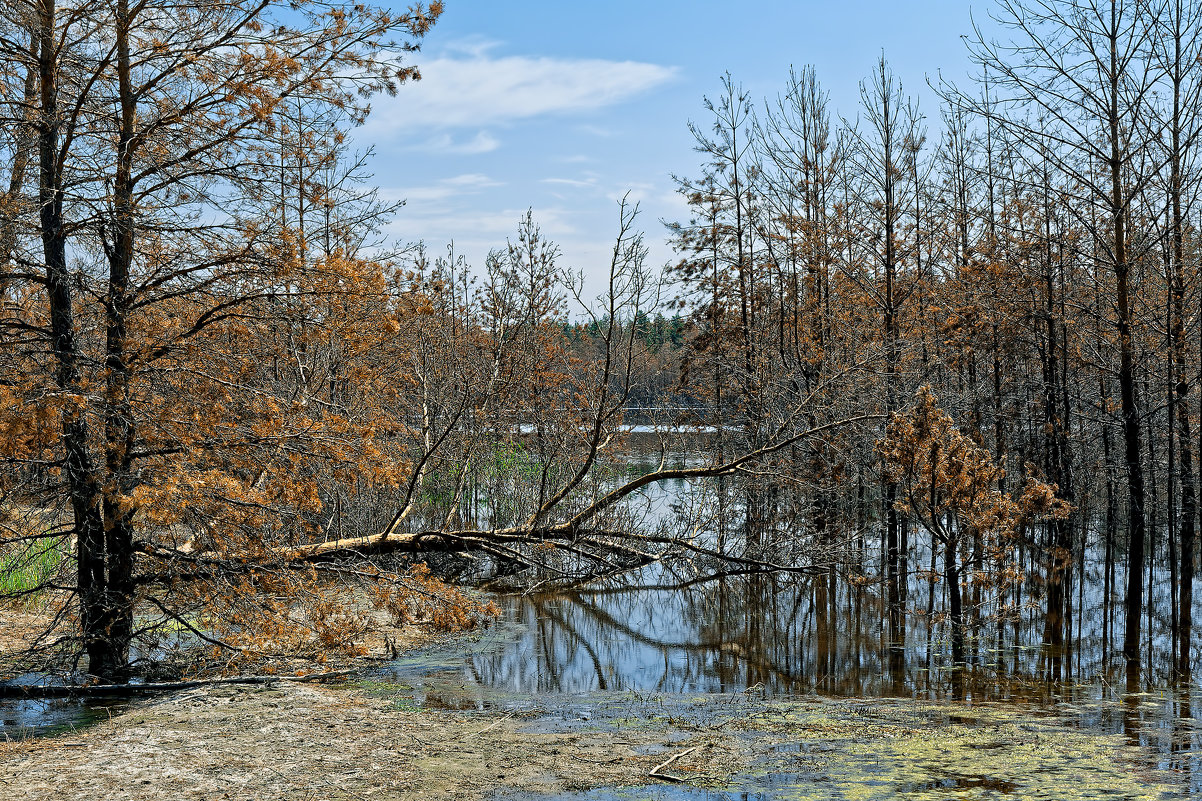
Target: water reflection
(38, 717)
(657, 631)
(653, 631)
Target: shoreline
(369, 738)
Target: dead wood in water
(123, 690)
(655, 772)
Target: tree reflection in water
(657, 631)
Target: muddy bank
(369, 740)
(294, 741)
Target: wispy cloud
(443, 190)
(595, 130)
(475, 233)
(471, 179)
(466, 86)
(573, 182)
(473, 45)
(482, 142)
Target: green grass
(27, 568)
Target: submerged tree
(949, 484)
(1075, 82)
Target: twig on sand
(492, 726)
(655, 772)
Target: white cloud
(467, 87)
(473, 179)
(473, 45)
(595, 130)
(591, 182)
(435, 224)
(482, 142)
(584, 235)
(657, 200)
(443, 190)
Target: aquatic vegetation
(816, 749)
(918, 751)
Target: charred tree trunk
(951, 569)
(119, 421)
(79, 472)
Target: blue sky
(563, 106)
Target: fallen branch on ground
(655, 772)
(122, 690)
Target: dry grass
(302, 742)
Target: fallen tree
(241, 487)
(128, 690)
(236, 378)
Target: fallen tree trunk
(569, 530)
(129, 690)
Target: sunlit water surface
(660, 634)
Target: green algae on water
(918, 751)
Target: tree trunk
(951, 569)
(119, 421)
(1185, 590)
(78, 469)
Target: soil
(367, 739)
(300, 741)
(381, 738)
(19, 626)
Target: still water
(659, 634)
(656, 630)
(38, 717)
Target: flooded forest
(914, 408)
